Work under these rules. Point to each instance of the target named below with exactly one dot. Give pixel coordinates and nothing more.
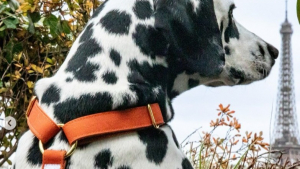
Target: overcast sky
(253, 103)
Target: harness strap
(54, 159)
(40, 123)
(79, 129)
(87, 128)
(93, 125)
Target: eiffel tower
(286, 131)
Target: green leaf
(1, 84)
(9, 14)
(52, 21)
(65, 27)
(2, 28)
(13, 4)
(35, 16)
(8, 51)
(17, 48)
(2, 7)
(9, 162)
(31, 28)
(12, 48)
(11, 22)
(298, 10)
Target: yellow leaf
(33, 66)
(30, 84)
(39, 70)
(18, 65)
(47, 66)
(49, 61)
(89, 4)
(24, 7)
(3, 90)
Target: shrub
(234, 151)
(35, 36)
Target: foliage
(227, 153)
(35, 36)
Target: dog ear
(193, 34)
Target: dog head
(247, 57)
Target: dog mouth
(228, 78)
(233, 76)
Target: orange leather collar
(90, 126)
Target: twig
(189, 136)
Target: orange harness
(87, 128)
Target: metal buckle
(31, 103)
(152, 116)
(68, 154)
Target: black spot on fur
(142, 9)
(124, 167)
(87, 33)
(87, 49)
(156, 142)
(99, 9)
(104, 159)
(68, 163)
(110, 77)
(227, 50)
(51, 95)
(193, 83)
(190, 36)
(148, 88)
(173, 94)
(63, 137)
(115, 57)
(237, 74)
(116, 22)
(231, 30)
(69, 79)
(34, 155)
(126, 102)
(150, 41)
(261, 50)
(143, 74)
(186, 164)
(78, 63)
(86, 72)
(221, 27)
(84, 105)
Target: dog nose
(273, 51)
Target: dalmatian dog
(136, 52)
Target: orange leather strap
(111, 122)
(54, 159)
(93, 125)
(40, 123)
